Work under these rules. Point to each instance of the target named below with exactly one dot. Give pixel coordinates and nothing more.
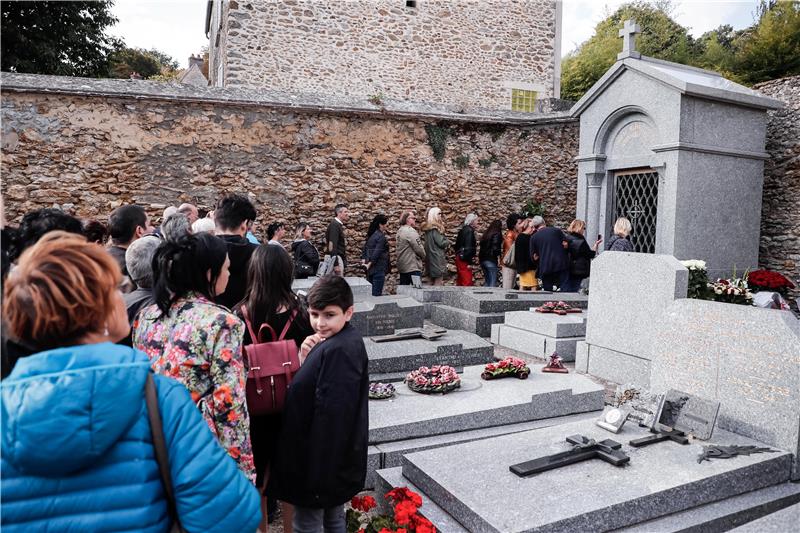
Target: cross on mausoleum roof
(628, 34)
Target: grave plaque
(382, 320)
(686, 413)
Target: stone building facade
(494, 54)
(780, 221)
(88, 146)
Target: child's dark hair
(330, 290)
(181, 266)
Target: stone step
(548, 324)
(456, 318)
(481, 404)
(533, 344)
(723, 515)
(492, 300)
(455, 348)
(660, 480)
(783, 521)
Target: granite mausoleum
(496, 55)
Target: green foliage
(698, 284)
(486, 163)
(771, 49)
(661, 37)
(461, 161)
(147, 63)
(767, 50)
(61, 38)
(533, 207)
(376, 99)
(437, 139)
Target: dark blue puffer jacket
(77, 451)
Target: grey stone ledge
(302, 102)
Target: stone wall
(780, 219)
(89, 146)
(459, 52)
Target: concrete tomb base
(660, 479)
(539, 334)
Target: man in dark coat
(334, 236)
(320, 461)
(232, 217)
(549, 249)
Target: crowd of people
(90, 311)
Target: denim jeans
(489, 273)
(310, 520)
(405, 277)
(377, 279)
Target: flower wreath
(559, 308)
(510, 366)
(436, 379)
(380, 391)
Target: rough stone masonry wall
(780, 210)
(90, 154)
(458, 52)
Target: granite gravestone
(629, 292)
(687, 413)
(382, 315)
(746, 358)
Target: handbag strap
(160, 446)
(253, 337)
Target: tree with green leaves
(661, 37)
(769, 49)
(146, 63)
(63, 38)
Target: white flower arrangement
(694, 264)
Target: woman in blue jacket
(77, 448)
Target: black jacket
(376, 252)
(239, 252)
(334, 240)
(466, 246)
(548, 244)
(490, 248)
(321, 456)
(304, 254)
(580, 255)
(523, 262)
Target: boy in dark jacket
(321, 457)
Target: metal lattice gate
(636, 198)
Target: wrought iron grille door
(636, 198)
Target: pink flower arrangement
(436, 379)
(510, 366)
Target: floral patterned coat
(199, 343)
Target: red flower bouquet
(405, 516)
(559, 308)
(510, 366)
(436, 379)
(768, 280)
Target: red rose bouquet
(768, 280)
(559, 308)
(405, 516)
(510, 366)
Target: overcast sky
(177, 27)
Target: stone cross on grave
(584, 449)
(660, 435)
(628, 34)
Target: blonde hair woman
(620, 242)
(436, 245)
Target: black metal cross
(660, 436)
(584, 449)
